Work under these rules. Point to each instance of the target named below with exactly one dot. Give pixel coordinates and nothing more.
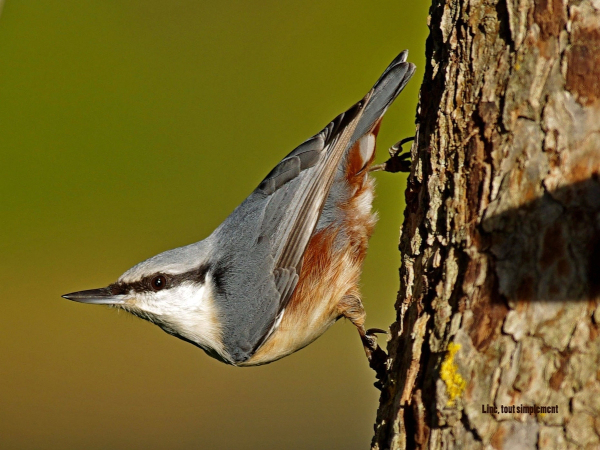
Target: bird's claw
(399, 161)
(376, 356)
(375, 331)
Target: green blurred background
(131, 127)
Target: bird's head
(174, 290)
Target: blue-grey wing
(264, 239)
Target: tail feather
(384, 92)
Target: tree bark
(500, 278)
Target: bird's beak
(102, 296)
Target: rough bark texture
(500, 278)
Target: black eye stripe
(146, 284)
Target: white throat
(187, 310)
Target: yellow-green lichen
(455, 383)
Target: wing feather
(275, 224)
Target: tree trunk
(500, 278)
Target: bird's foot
(399, 161)
(376, 356)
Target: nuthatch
(285, 265)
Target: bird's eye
(158, 282)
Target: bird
(285, 264)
